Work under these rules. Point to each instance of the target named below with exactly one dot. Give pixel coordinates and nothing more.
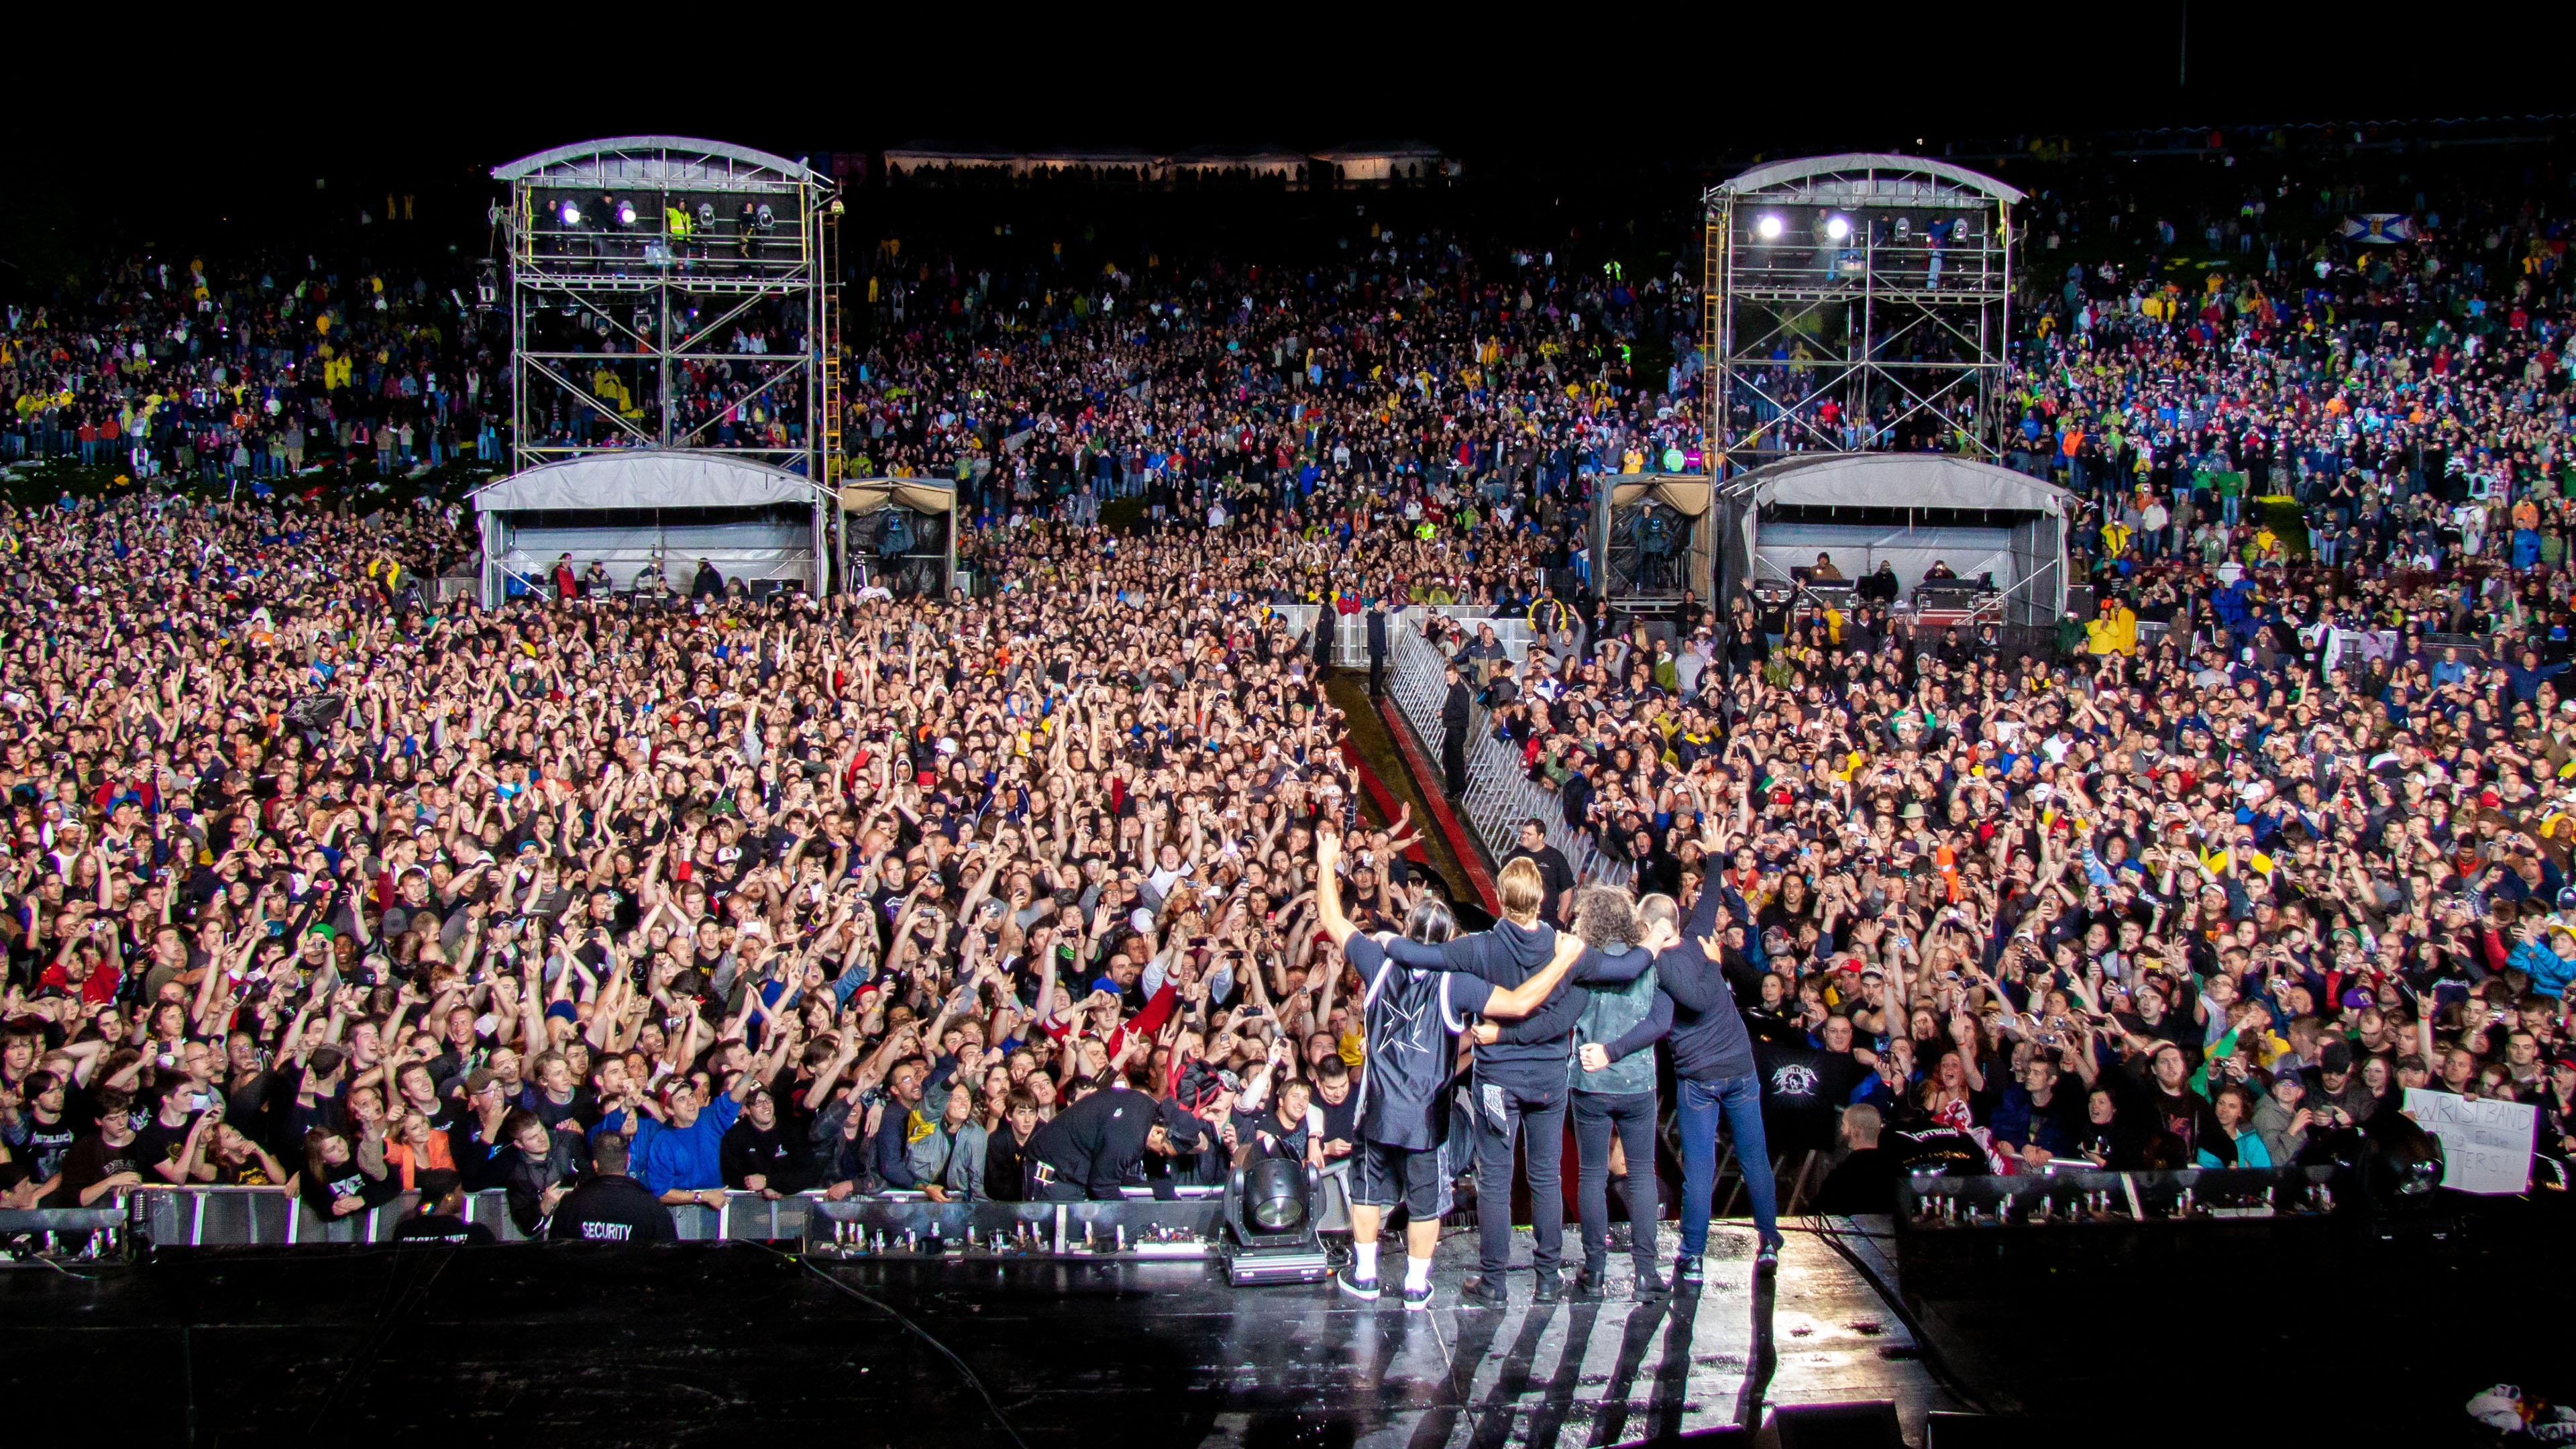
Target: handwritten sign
(2486, 1146)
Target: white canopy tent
(1276, 163)
(1908, 509)
(942, 156)
(632, 510)
(1382, 161)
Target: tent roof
(1094, 156)
(644, 478)
(1391, 150)
(1238, 156)
(1897, 480)
(922, 495)
(951, 151)
(1868, 175)
(683, 162)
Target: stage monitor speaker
(1839, 1426)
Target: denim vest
(1608, 1016)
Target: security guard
(611, 1207)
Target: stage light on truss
(625, 212)
(1837, 227)
(571, 212)
(1768, 227)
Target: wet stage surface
(736, 1344)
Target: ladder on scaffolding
(831, 289)
(831, 364)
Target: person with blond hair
(1411, 1013)
(1519, 1079)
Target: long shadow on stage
(700, 1344)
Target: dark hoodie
(1531, 1053)
(1695, 1006)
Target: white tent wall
(2038, 595)
(530, 518)
(2031, 531)
(749, 550)
(1857, 549)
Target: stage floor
(1574, 1373)
(736, 1344)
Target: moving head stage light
(1270, 1208)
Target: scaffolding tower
(668, 292)
(1854, 303)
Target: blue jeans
(1698, 1106)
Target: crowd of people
(319, 881)
(249, 370)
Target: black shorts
(1384, 1176)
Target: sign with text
(2486, 1146)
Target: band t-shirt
(90, 1162)
(1803, 1090)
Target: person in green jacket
(2231, 494)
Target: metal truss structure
(668, 292)
(1855, 302)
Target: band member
(1519, 1083)
(1714, 1075)
(1617, 1103)
(1410, 1016)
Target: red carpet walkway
(1471, 857)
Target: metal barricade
(229, 1217)
(1350, 631)
(226, 1217)
(256, 1217)
(1500, 796)
(48, 1237)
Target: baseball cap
(1178, 1121)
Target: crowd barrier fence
(1500, 797)
(222, 1217)
(2077, 1197)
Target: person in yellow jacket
(2114, 630)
